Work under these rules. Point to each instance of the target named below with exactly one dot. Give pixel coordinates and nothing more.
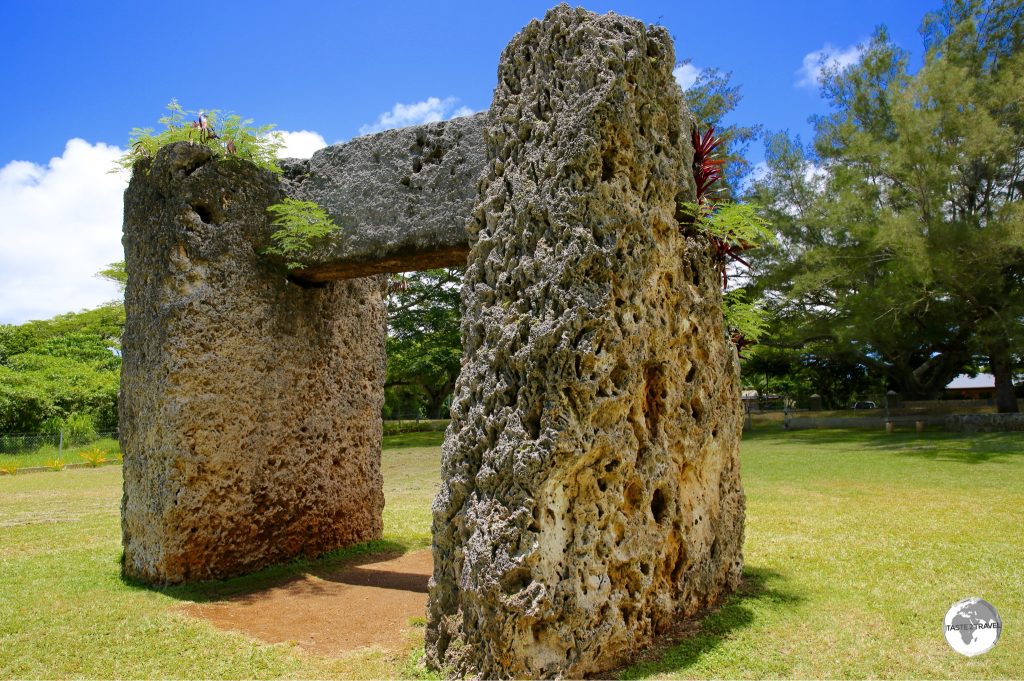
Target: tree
(53, 369)
(902, 233)
(115, 272)
(424, 346)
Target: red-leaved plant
(733, 228)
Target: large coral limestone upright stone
(590, 484)
(250, 406)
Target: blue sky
(77, 76)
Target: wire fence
(412, 423)
(58, 443)
(885, 411)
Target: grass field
(856, 544)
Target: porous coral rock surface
(250, 406)
(590, 477)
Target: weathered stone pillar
(250, 406)
(590, 479)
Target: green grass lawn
(857, 543)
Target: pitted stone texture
(250, 406)
(590, 478)
(402, 198)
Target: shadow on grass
(932, 445)
(406, 440)
(276, 575)
(694, 638)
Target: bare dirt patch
(371, 602)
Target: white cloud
(430, 110)
(757, 173)
(828, 56)
(814, 174)
(300, 143)
(61, 224)
(686, 75)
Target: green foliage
(302, 227)
(79, 429)
(738, 225)
(747, 319)
(56, 464)
(116, 273)
(52, 369)
(232, 136)
(902, 230)
(424, 347)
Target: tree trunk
(1002, 369)
(434, 404)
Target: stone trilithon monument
(590, 489)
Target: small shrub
(79, 429)
(10, 469)
(56, 464)
(94, 457)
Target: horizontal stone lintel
(366, 266)
(402, 198)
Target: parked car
(865, 404)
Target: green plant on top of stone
(227, 135)
(301, 227)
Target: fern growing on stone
(226, 135)
(302, 226)
(733, 228)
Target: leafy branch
(227, 135)
(302, 226)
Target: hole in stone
(607, 166)
(654, 403)
(203, 212)
(602, 485)
(645, 569)
(516, 581)
(611, 466)
(305, 283)
(634, 493)
(416, 165)
(531, 422)
(658, 506)
(677, 569)
(406, 181)
(697, 409)
(691, 374)
(696, 278)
